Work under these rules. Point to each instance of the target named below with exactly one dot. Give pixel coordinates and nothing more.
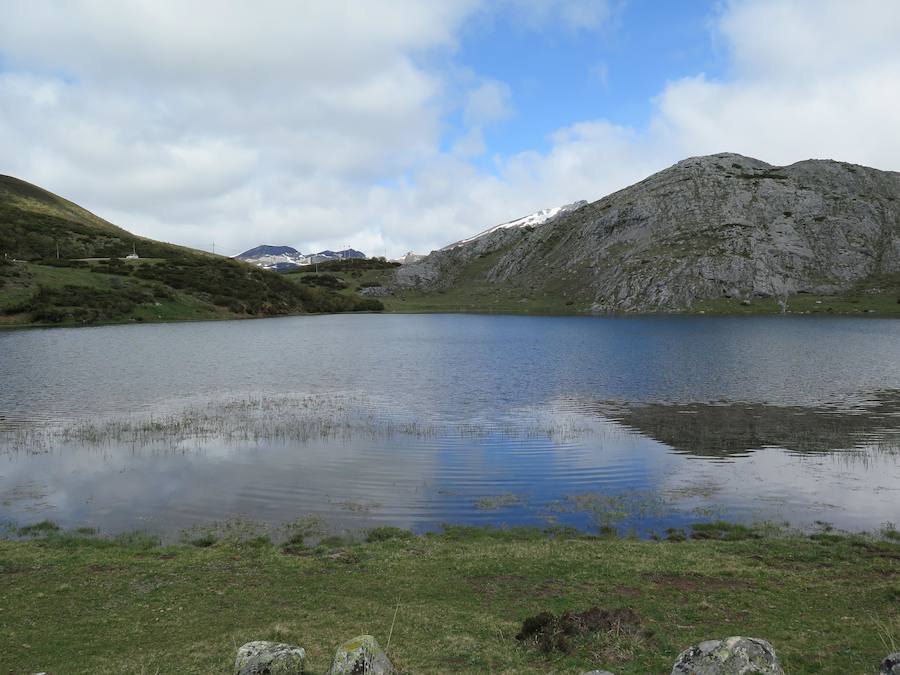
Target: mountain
(274, 257)
(342, 255)
(409, 257)
(284, 258)
(268, 250)
(60, 263)
(716, 233)
(532, 220)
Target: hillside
(721, 233)
(61, 264)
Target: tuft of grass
(675, 534)
(44, 527)
(204, 541)
(723, 531)
(386, 533)
(140, 541)
(494, 502)
(889, 531)
(293, 544)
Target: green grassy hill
(61, 264)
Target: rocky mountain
(409, 257)
(532, 220)
(273, 257)
(709, 229)
(281, 258)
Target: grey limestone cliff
(708, 227)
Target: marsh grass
(293, 418)
(608, 511)
(495, 502)
(705, 430)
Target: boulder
(361, 655)
(269, 658)
(890, 665)
(731, 656)
(597, 672)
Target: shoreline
(476, 312)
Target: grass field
(475, 297)
(78, 604)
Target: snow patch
(532, 220)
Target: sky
(404, 125)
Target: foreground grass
(76, 604)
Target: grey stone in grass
(269, 658)
(362, 654)
(890, 665)
(597, 672)
(731, 656)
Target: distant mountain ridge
(282, 258)
(720, 228)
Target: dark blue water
(454, 418)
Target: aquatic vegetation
(296, 418)
(492, 503)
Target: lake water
(417, 420)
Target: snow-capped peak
(531, 220)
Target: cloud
(810, 79)
(487, 103)
(572, 14)
(318, 124)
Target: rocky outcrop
(708, 227)
(269, 658)
(361, 655)
(731, 656)
(374, 291)
(891, 665)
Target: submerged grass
(456, 600)
(300, 418)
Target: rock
(269, 658)
(731, 656)
(705, 228)
(375, 291)
(361, 655)
(891, 665)
(597, 672)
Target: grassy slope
(473, 293)
(167, 283)
(179, 307)
(829, 604)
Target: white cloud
(573, 14)
(487, 103)
(810, 79)
(321, 123)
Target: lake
(634, 424)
